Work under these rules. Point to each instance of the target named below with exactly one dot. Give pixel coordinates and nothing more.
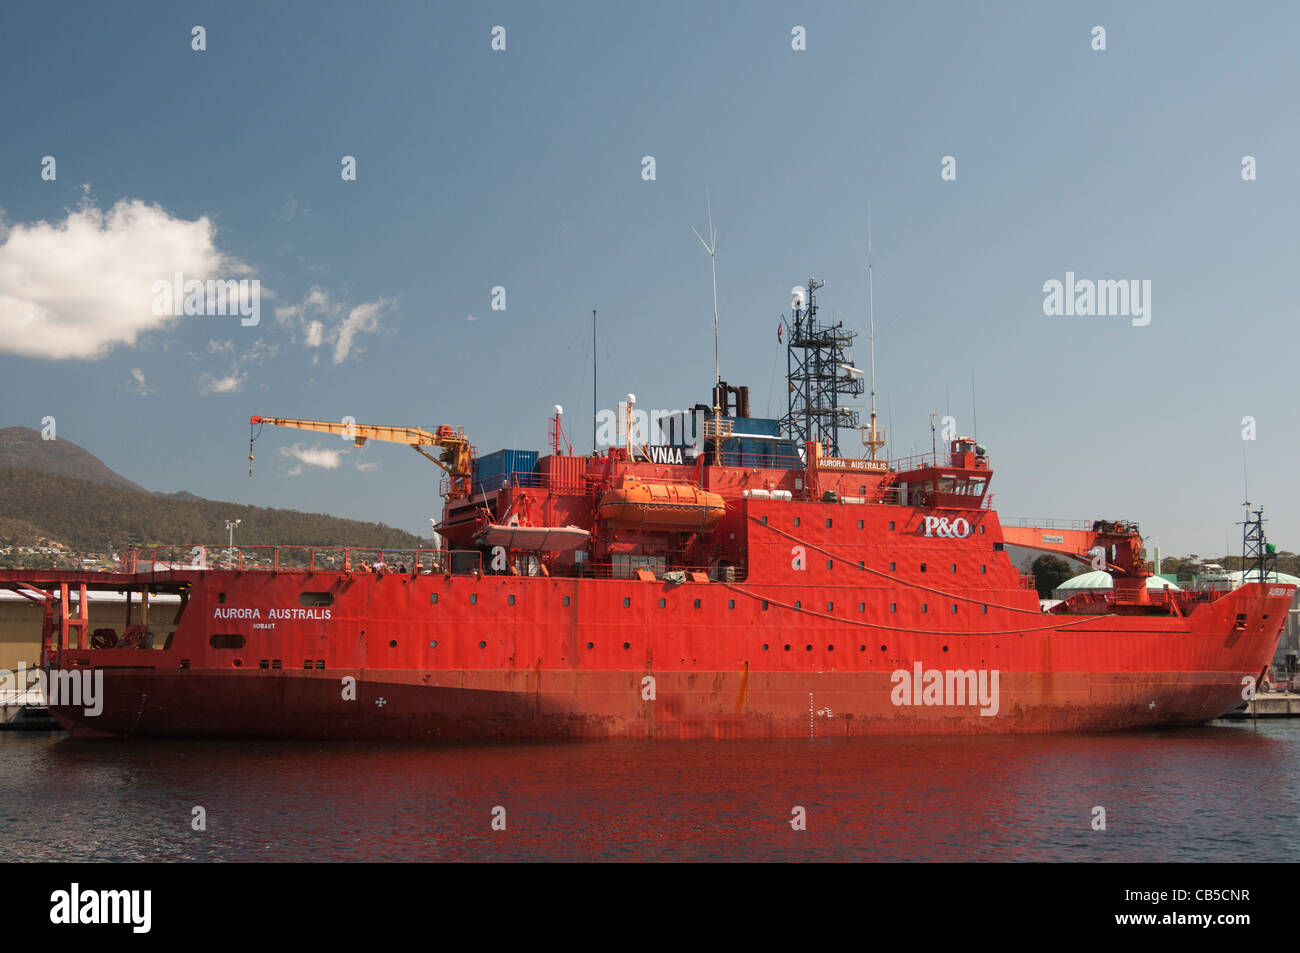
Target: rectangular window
(798, 603)
(925, 607)
(891, 524)
(697, 603)
(893, 607)
(859, 524)
(566, 600)
(731, 603)
(433, 598)
(983, 569)
(954, 567)
(764, 605)
(662, 603)
(828, 522)
(830, 607)
(954, 608)
(796, 521)
(510, 600)
(830, 564)
(862, 607)
(764, 520)
(473, 598)
(893, 566)
(627, 602)
(862, 564)
(984, 610)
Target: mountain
(24, 447)
(87, 516)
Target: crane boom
(456, 456)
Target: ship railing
(629, 572)
(300, 559)
(1033, 523)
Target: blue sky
(523, 169)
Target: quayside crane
(456, 456)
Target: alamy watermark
(71, 688)
(1129, 298)
(212, 297)
(946, 688)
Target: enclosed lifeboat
(678, 507)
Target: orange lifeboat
(666, 506)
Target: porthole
(862, 648)
(627, 645)
(392, 643)
(807, 648)
(482, 645)
(591, 645)
(945, 648)
(764, 646)
(830, 648)
(787, 646)
(433, 643)
(884, 648)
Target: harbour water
(1223, 792)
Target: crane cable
(253, 434)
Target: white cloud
(314, 313)
(364, 317)
(230, 384)
(78, 287)
(368, 466)
(312, 457)
(138, 385)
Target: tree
(1049, 572)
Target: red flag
(778, 334)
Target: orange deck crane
(456, 456)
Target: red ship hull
(843, 611)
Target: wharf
(1269, 705)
